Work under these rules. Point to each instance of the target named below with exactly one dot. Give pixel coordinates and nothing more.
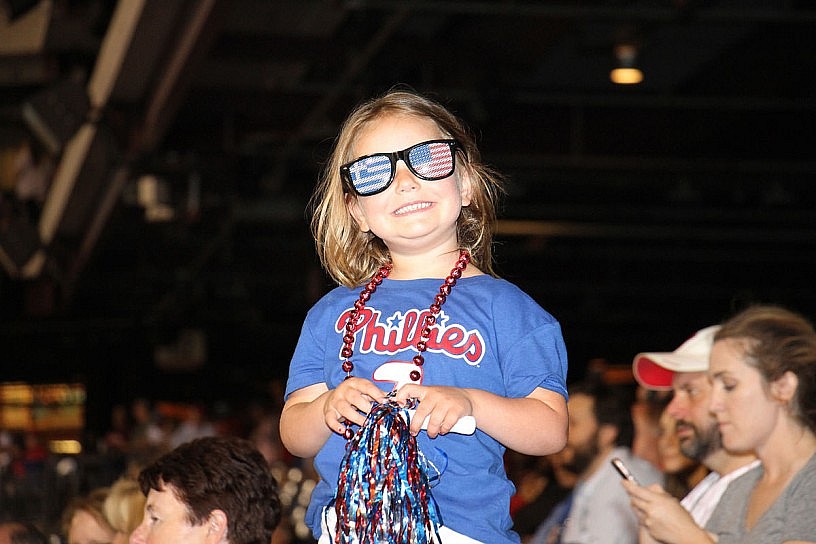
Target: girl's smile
(413, 207)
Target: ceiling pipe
(782, 14)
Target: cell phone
(623, 470)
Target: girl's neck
(435, 265)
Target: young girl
(763, 369)
(403, 221)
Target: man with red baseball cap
(683, 371)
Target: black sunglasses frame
(394, 156)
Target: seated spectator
(84, 522)
(597, 510)
(194, 425)
(215, 490)
(124, 508)
(147, 438)
(117, 437)
(682, 472)
(763, 370)
(646, 411)
(684, 371)
(12, 532)
(538, 489)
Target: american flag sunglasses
(371, 174)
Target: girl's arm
(533, 425)
(302, 429)
(311, 414)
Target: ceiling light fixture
(626, 73)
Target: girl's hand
(445, 405)
(349, 403)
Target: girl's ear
(353, 205)
(784, 388)
(465, 187)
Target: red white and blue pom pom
(383, 494)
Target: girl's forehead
(387, 131)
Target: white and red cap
(656, 370)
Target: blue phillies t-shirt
(490, 335)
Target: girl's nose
(404, 179)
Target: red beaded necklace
(425, 332)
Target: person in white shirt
(662, 517)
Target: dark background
(636, 215)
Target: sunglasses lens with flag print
(430, 161)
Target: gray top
(790, 517)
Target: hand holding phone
(623, 470)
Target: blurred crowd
(95, 493)
(94, 496)
(543, 484)
(697, 430)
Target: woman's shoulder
(808, 472)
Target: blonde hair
(92, 503)
(351, 256)
(124, 505)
